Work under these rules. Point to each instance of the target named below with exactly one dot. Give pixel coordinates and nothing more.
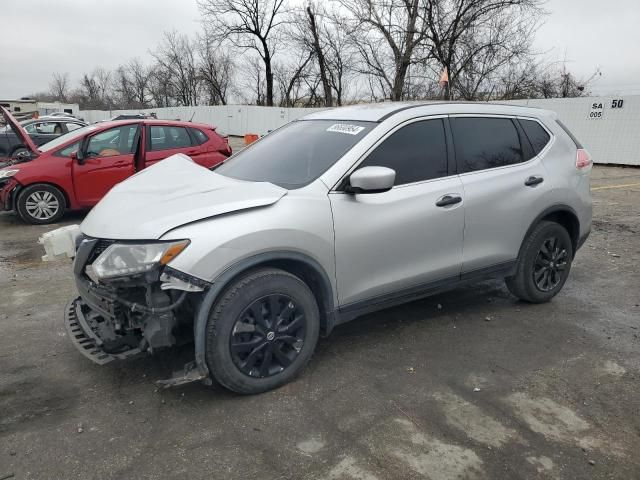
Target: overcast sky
(75, 36)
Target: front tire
(544, 264)
(20, 151)
(40, 204)
(262, 331)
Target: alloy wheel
(42, 205)
(550, 265)
(268, 336)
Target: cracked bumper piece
(78, 320)
(130, 315)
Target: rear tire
(544, 264)
(40, 204)
(262, 331)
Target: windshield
(295, 155)
(62, 139)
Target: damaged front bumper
(80, 329)
(130, 315)
(9, 188)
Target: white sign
(597, 110)
(617, 103)
(345, 128)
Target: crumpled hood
(171, 193)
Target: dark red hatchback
(76, 170)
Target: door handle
(192, 152)
(532, 181)
(448, 200)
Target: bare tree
(161, 87)
(390, 37)
(122, 87)
(556, 81)
(248, 25)
(88, 92)
(291, 80)
(102, 80)
(59, 86)
(317, 47)
(138, 76)
(216, 70)
(459, 31)
(175, 56)
(340, 57)
(251, 82)
(491, 52)
(380, 49)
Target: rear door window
(163, 137)
(42, 128)
(485, 142)
(416, 152)
(158, 138)
(536, 134)
(73, 126)
(179, 137)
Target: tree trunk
(268, 73)
(397, 89)
(326, 85)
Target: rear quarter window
(199, 136)
(537, 135)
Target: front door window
(115, 141)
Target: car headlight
(8, 173)
(131, 258)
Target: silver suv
(341, 213)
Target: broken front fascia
(122, 316)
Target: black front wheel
(544, 264)
(262, 331)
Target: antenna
(193, 115)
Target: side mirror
(77, 157)
(371, 180)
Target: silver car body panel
(381, 243)
(500, 208)
(299, 222)
(391, 241)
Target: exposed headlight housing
(8, 173)
(132, 258)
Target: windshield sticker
(345, 128)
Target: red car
(77, 169)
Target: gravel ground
(469, 384)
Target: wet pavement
(468, 384)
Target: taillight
(583, 159)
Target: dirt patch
(470, 419)
(22, 402)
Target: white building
(28, 107)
